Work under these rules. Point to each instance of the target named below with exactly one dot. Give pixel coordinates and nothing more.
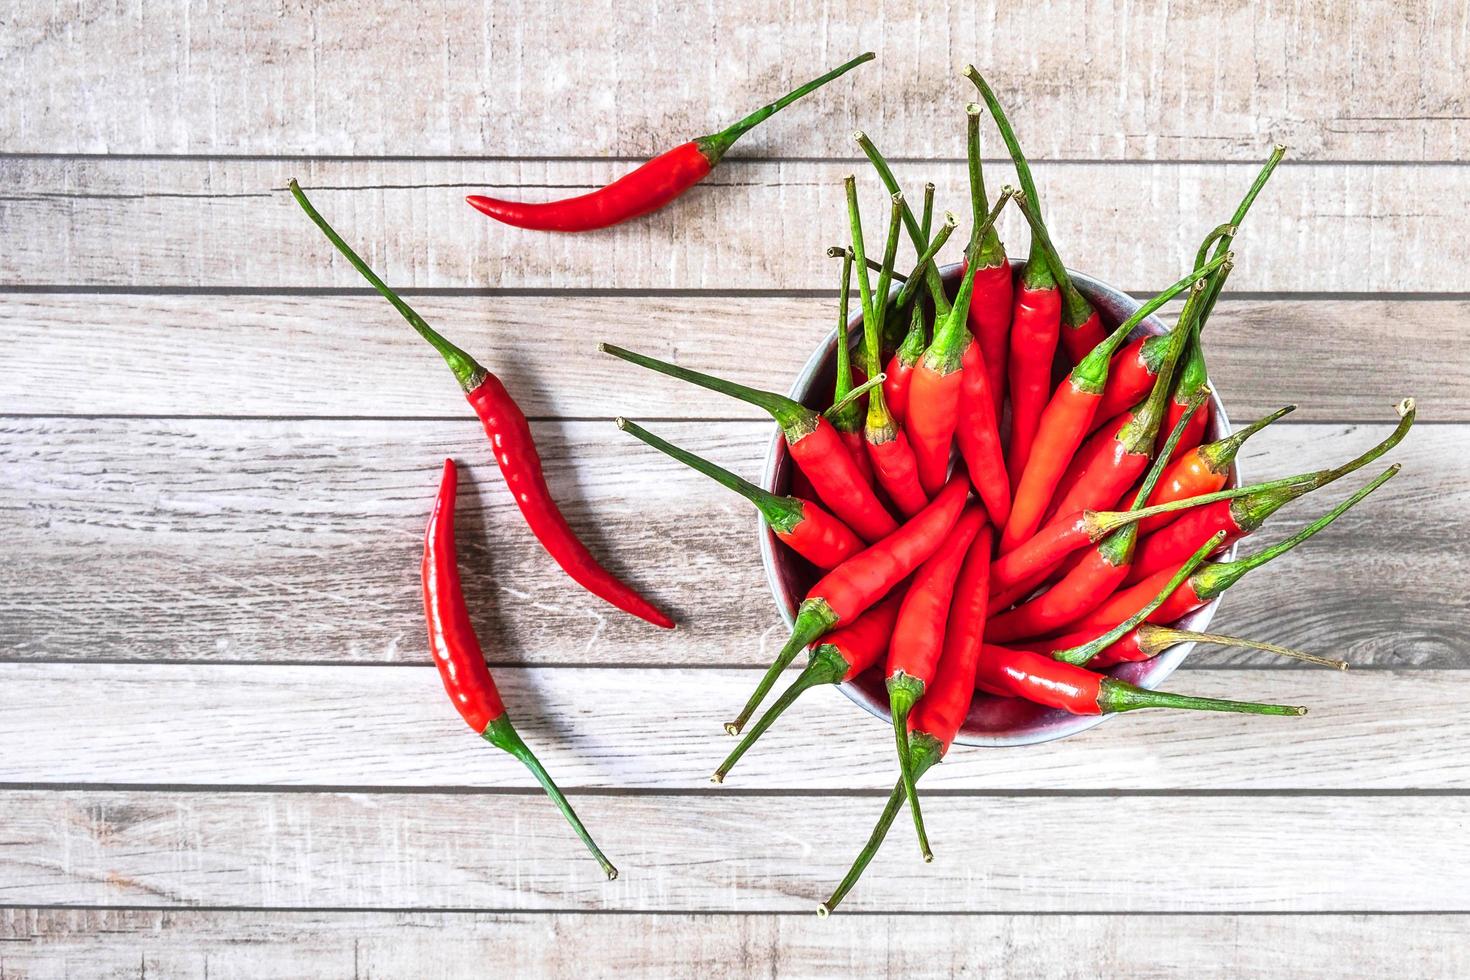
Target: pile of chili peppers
(1002, 496)
(1026, 498)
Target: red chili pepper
(1147, 640)
(1213, 579)
(841, 656)
(862, 580)
(1081, 326)
(994, 290)
(934, 391)
(514, 447)
(1065, 421)
(848, 420)
(815, 446)
(977, 433)
(1245, 513)
(919, 638)
(461, 662)
(901, 366)
(1105, 468)
(1037, 677)
(887, 446)
(801, 525)
(652, 185)
(1091, 580)
(937, 718)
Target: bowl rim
(1047, 725)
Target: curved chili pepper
(816, 447)
(652, 185)
(1147, 640)
(862, 580)
(461, 662)
(801, 525)
(1039, 678)
(994, 291)
(1096, 576)
(934, 391)
(842, 655)
(886, 444)
(977, 433)
(1203, 469)
(937, 717)
(1065, 421)
(514, 447)
(1245, 513)
(848, 420)
(1107, 467)
(919, 637)
(901, 366)
(1211, 580)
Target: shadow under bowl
(992, 720)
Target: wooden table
(223, 751)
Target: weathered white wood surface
(222, 752)
(230, 223)
(1205, 80)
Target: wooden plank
(228, 223)
(1204, 854)
(659, 729)
(299, 541)
(171, 945)
(1204, 80)
(352, 355)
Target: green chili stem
(825, 666)
(792, 416)
(885, 174)
(716, 145)
(814, 619)
(1154, 639)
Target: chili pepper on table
(815, 446)
(461, 661)
(1067, 418)
(1213, 579)
(848, 420)
(801, 525)
(652, 185)
(994, 291)
(514, 447)
(886, 444)
(1111, 463)
(842, 655)
(847, 590)
(1203, 469)
(937, 717)
(918, 639)
(1091, 580)
(1244, 513)
(1147, 640)
(930, 272)
(934, 391)
(1193, 375)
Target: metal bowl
(992, 720)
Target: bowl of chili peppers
(991, 720)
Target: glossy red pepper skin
(1103, 479)
(461, 662)
(977, 432)
(857, 447)
(1040, 553)
(1035, 677)
(932, 416)
(1060, 430)
(820, 538)
(650, 187)
(1170, 545)
(1079, 341)
(1035, 325)
(1133, 373)
(990, 322)
(1194, 433)
(825, 459)
(918, 635)
(1080, 591)
(896, 471)
(1131, 599)
(896, 385)
(520, 464)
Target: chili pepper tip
(1404, 407)
(972, 108)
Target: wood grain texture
(207, 540)
(649, 730)
(353, 356)
(746, 854)
(48, 944)
(1204, 80)
(229, 223)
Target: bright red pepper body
(990, 323)
(1038, 678)
(1194, 433)
(897, 473)
(1104, 480)
(977, 432)
(857, 446)
(1122, 604)
(1170, 545)
(896, 385)
(1034, 330)
(931, 419)
(942, 710)
(1080, 591)
(1063, 425)
(824, 458)
(918, 636)
(1188, 476)
(1079, 341)
(646, 189)
(821, 538)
